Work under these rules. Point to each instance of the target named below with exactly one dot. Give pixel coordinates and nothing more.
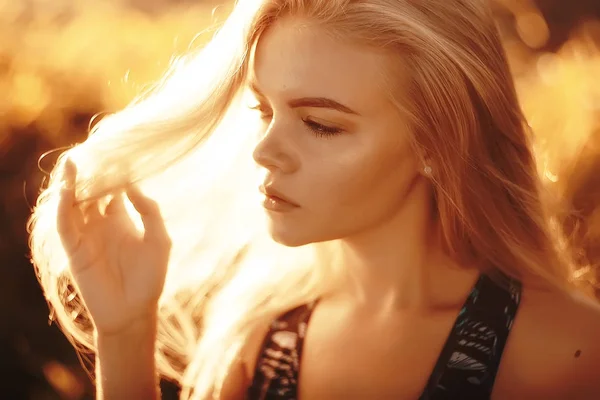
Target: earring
(427, 170)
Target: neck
(399, 263)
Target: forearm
(125, 364)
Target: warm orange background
(64, 61)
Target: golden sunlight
(64, 63)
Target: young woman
(403, 249)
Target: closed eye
(317, 128)
(321, 130)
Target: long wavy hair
(188, 142)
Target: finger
(116, 212)
(69, 174)
(91, 212)
(69, 218)
(115, 206)
(154, 226)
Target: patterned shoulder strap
(469, 362)
(276, 372)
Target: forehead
(298, 58)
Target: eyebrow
(317, 102)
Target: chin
(288, 240)
(288, 234)
(295, 237)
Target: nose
(275, 152)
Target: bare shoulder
(554, 348)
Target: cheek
(367, 184)
(346, 194)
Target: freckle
(577, 353)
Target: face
(332, 144)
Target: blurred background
(63, 62)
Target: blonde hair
(226, 275)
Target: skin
(368, 178)
(364, 188)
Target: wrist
(142, 327)
(126, 363)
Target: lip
(276, 198)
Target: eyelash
(318, 129)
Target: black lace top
(466, 367)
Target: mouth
(275, 201)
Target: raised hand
(119, 271)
